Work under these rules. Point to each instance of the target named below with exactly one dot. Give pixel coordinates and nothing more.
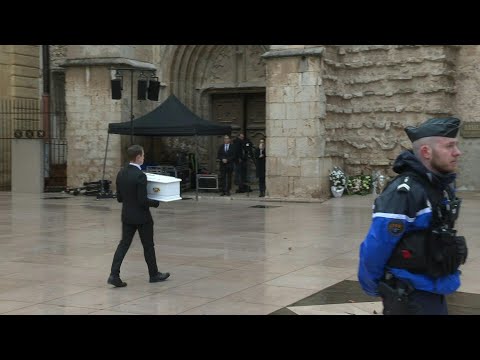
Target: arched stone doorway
(224, 84)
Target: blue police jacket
(401, 208)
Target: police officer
(411, 253)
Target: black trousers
(146, 236)
(226, 175)
(419, 303)
(261, 184)
(241, 174)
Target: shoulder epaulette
(404, 186)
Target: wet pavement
(226, 255)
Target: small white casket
(163, 188)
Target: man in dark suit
(240, 162)
(226, 155)
(260, 156)
(132, 193)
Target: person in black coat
(260, 156)
(240, 162)
(132, 193)
(226, 155)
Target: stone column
(467, 108)
(20, 71)
(295, 109)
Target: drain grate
(264, 206)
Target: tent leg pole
(105, 158)
(102, 187)
(131, 107)
(196, 167)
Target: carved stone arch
(197, 68)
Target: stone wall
(20, 76)
(90, 108)
(373, 92)
(134, 52)
(58, 54)
(347, 106)
(20, 71)
(5, 65)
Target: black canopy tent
(171, 118)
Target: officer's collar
(441, 179)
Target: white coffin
(163, 188)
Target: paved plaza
(236, 255)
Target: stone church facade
(317, 106)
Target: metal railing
(23, 118)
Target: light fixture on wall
(117, 86)
(147, 87)
(153, 89)
(142, 87)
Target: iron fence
(23, 118)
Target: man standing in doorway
(226, 155)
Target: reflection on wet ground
(235, 255)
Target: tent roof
(170, 118)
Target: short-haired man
(226, 155)
(132, 193)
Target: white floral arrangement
(379, 181)
(338, 178)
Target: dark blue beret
(446, 127)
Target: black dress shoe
(116, 281)
(222, 194)
(159, 277)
